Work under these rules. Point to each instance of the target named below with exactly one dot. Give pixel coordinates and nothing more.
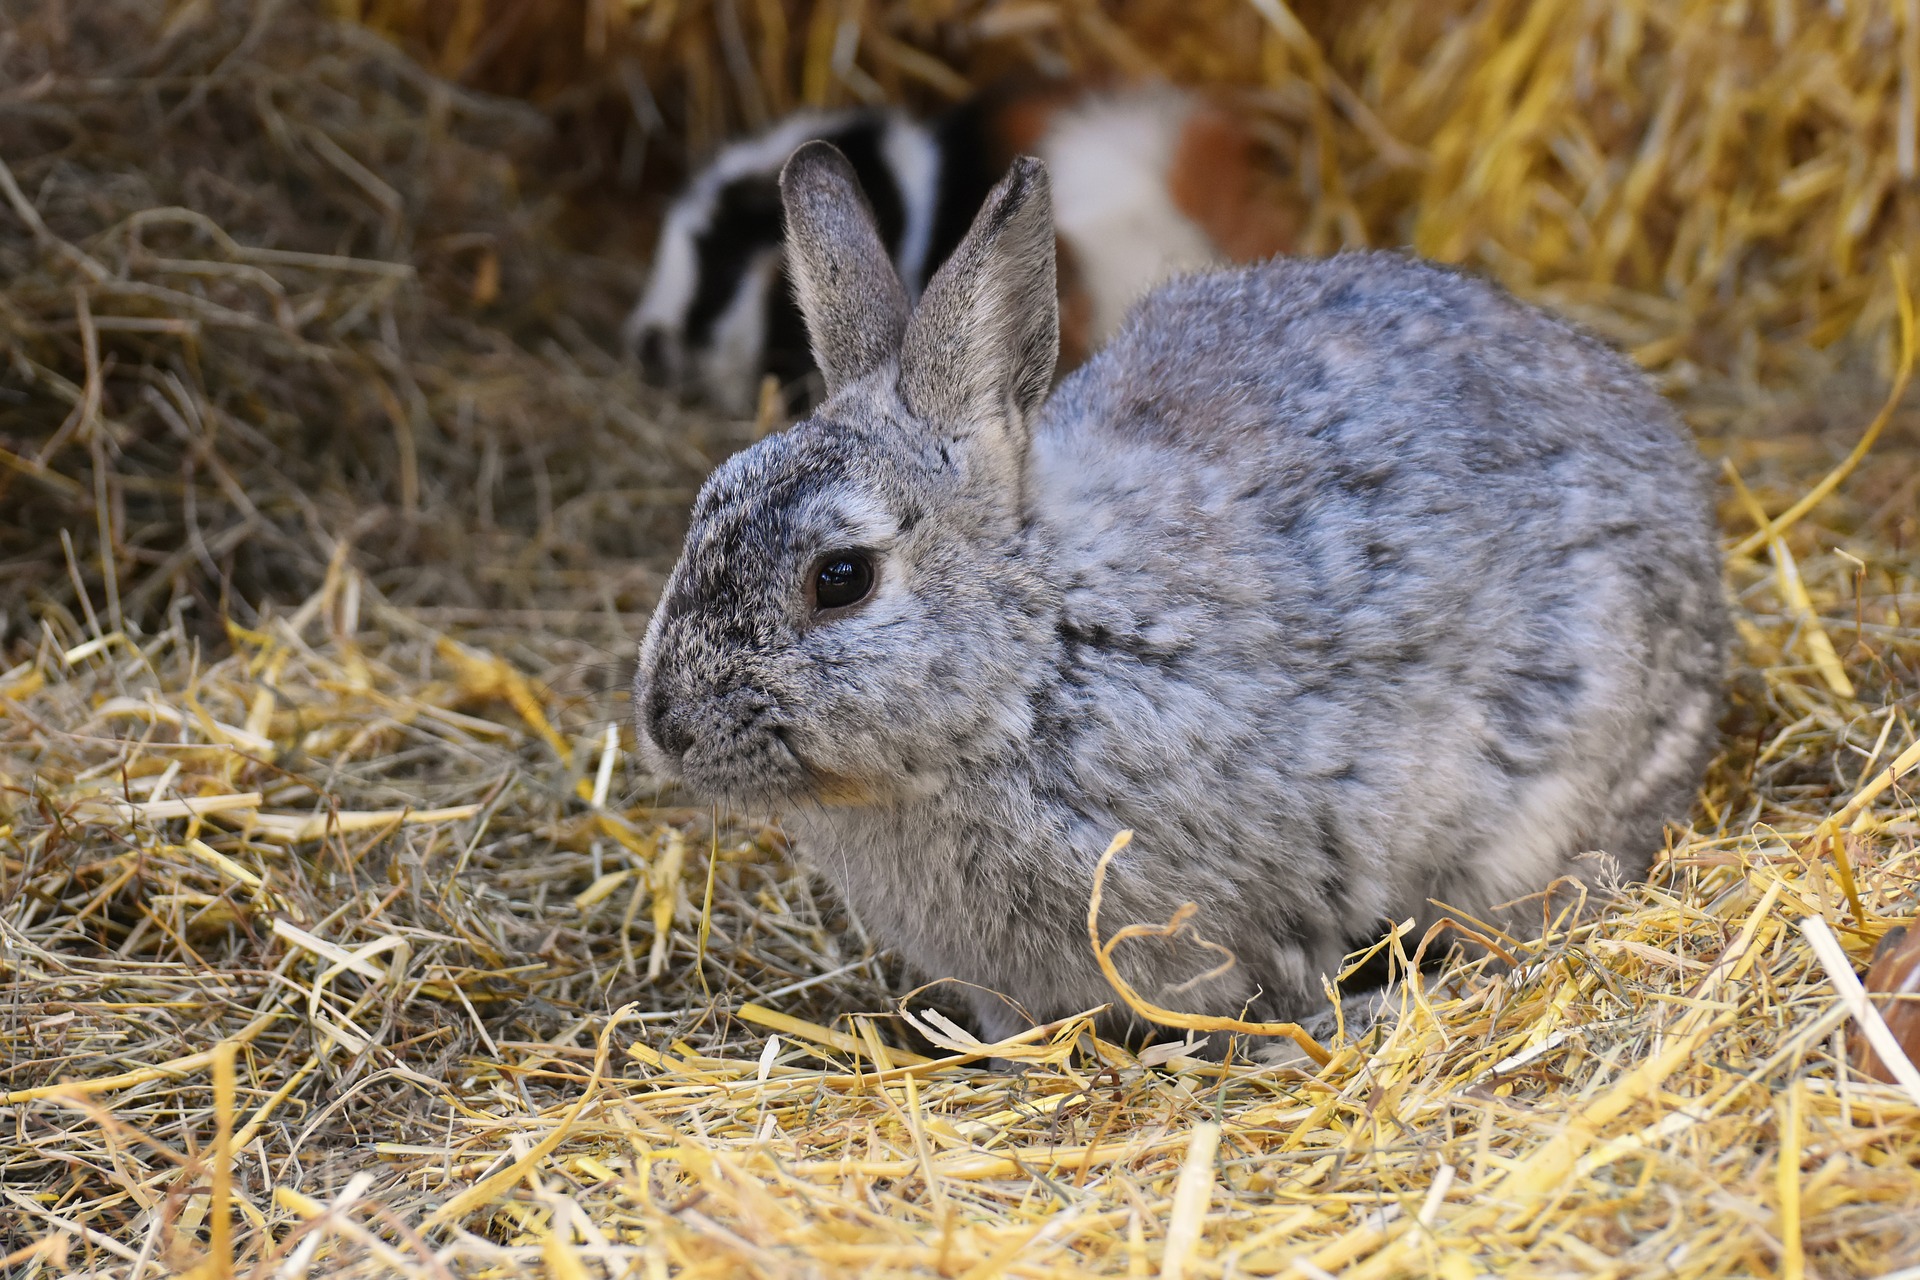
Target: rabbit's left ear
(981, 347)
(843, 279)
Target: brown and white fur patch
(1111, 159)
(1148, 184)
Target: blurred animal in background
(1147, 183)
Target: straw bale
(340, 938)
(1719, 186)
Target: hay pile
(1721, 187)
(265, 285)
(338, 938)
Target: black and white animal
(1349, 585)
(1148, 183)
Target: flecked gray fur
(1349, 585)
(853, 293)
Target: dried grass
(340, 940)
(276, 287)
(1721, 187)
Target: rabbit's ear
(986, 335)
(843, 279)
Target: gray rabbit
(1351, 586)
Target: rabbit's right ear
(843, 278)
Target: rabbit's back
(1382, 578)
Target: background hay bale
(277, 287)
(1716, 185)
(315, 915)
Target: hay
(267, 286)
(339, 938)
(1719, 187)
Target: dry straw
(340, 940)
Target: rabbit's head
(855, 615)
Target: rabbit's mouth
(737, 747)
(766, 769)
(822, 786)
(755, 769)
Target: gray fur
(1346, 584)
(986, 335)
(843, 277)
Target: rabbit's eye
(842, 578)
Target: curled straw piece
(1779, 524)
(1849, 817)
(1103, 956)
(1905, 763)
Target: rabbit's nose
(667, 725)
